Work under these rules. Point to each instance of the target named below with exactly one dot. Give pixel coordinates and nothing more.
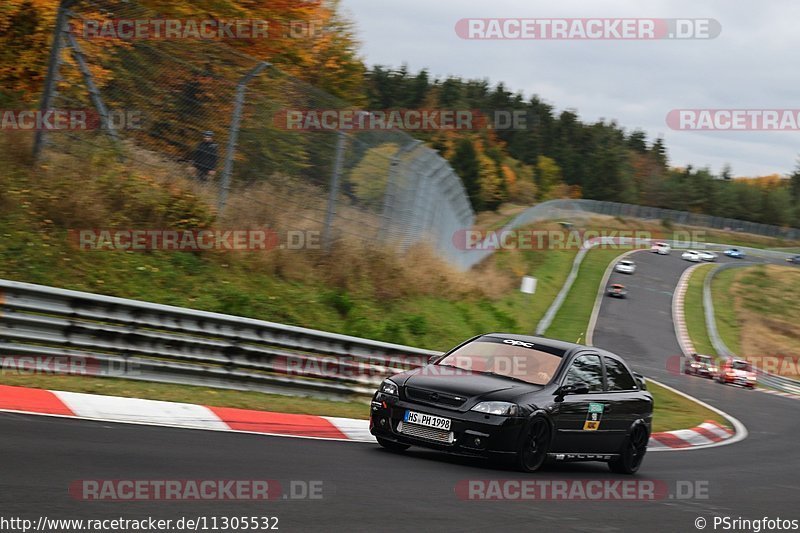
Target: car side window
(586, 369)
(618, 376)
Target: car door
(626, 403)
(579, 419)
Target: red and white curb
(179, 415)
(709, 432)
(678, 317)
(781, 393)
(191, 416)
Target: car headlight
(496, 408)
(389, 387)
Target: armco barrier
(139, 340)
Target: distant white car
(625, 266)
(705, 255)
(661, 248)
(691, 255)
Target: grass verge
(673, 411)
(572, 320)
(694, 312)
(724, 309)
(168, 392)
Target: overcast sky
(752, 64)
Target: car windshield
(511, 358)
(704, 359)
(626, 263)
(741, 365)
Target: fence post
(330, 212)
(51, 80)
(233, 132)
(94, 92)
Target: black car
(525, 398)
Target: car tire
(633, 452)
(392, 446)
(535, 444)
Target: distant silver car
(661, 248)
(705, 255)
(625, 266)
(691, 255)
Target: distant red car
(737, 372)
(617, 290)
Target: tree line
(558, 155)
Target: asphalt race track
(367, 488)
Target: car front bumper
(471, 433)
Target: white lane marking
(355, 429)
(141, 411)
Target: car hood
(467, 385)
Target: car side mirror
(432, 359)
(576, 388)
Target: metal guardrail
(116, 337)
(771, 380)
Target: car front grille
(438, 398)
(422, 432)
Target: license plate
(421, 419)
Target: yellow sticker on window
(591, 425)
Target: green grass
(693, 311)
(673, 411)
(572, 320)
(724, 310)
